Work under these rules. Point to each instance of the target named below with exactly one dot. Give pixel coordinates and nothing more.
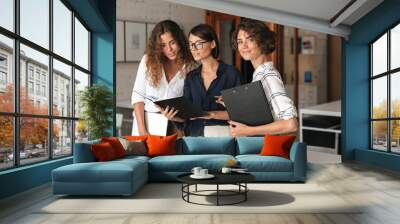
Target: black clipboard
(186, 109)
(248, 104)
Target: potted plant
(96, 103)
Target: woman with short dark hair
(255, 42)
(205, 83)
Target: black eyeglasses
(197, 45)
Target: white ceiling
(320, 9)
(315, 15)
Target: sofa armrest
(83, 152)
(298, 155)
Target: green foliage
(96, 102)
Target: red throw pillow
(161, 145)
(116, 145)
(103, 151)
(277, 145)
(136, 138)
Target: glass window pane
(6, 74)
(33, 140)
(395, 47)
(7, 14)
(379, 135)
(35, 21)
(62, 29)
(81, 131)
(6, 142)
(62, 89)
(34, 66)
(395, 136)
(379, 98)
(81, 81)
(62, 138)
(81, 45)
(395, 95)
(379, 56)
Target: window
(56, 125)
(30, 72)
(44, 91)
(38, 89)
(3, 78)
(385, 96)
(3, 61)
(30, 87)
(7, 14)
(81, 45)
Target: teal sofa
(125, 176)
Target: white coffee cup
(203, 172)
(196, 170)
(226, 170)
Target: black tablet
(248, 104)
(186, 108)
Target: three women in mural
(175, 66)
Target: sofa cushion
(103, 152)
(161, 145)
(277, 145)
(134, 147)
(206, 145)
(116, 145)
(249, 145)
(185, 163)
(257, 163)
(83, 152)
(112, 171)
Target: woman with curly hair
(161, 71)
(255, 42)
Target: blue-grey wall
(356, 101)
(99, 16)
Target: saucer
(208, 176)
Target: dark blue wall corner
(103, 52)
(355, 92)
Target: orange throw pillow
(116, 145)
(161, 145)
(136, 138)
(103, 151)
(277, 145)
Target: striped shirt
(281, 105)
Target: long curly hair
(155, 56)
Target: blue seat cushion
(206, 145)
(184, 163)
(111, 171)
(257, 163)
(249, 145)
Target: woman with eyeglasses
(255, 42)
(204, 84)
(161, 72)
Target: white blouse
(282, 106)
(165, 90)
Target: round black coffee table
(238, 179)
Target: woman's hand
(238, 129)
(208, 116)
(219, 100)
(170, 113)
